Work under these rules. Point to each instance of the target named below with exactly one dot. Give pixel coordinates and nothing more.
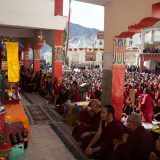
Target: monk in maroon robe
(110, 133)
(57, 86)
(147, 107)
(139, 144)
(75, 94)
(89, 122)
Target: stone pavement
(45, 145)
(52, 141)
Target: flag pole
(68, 28)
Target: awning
(133, 29)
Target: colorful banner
(119, 50)
(58, 53)
(13, 61)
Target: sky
(85, 14)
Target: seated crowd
(100, 134)
(142, 93)
(75, 86)
(103, 137)
(153, 49)
(109, 139)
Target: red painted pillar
(36, 56)
(58, 42)
(58, 50)
(58, 7)
(26, 56)
(118, 75)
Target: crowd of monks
(142, 95)
(102, 137)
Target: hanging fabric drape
(13, 61)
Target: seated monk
(110, 132)
(156, 155)
(75, 95)
(156, 110)
(89, 121)
(139, 144)
(63, 96)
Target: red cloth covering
(147, 108)
(7, 146)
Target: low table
(73, 112)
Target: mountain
(78, 30)
(81, 37)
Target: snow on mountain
(85, 41)
(82, 37)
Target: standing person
(57, 86)
(147, 106)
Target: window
(100, 43)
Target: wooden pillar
(118, 75)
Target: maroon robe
(147, 108)
(88, 124)
(57, 88)
(114, 130)
(138, 146)
(95, 121)
(77, 97)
